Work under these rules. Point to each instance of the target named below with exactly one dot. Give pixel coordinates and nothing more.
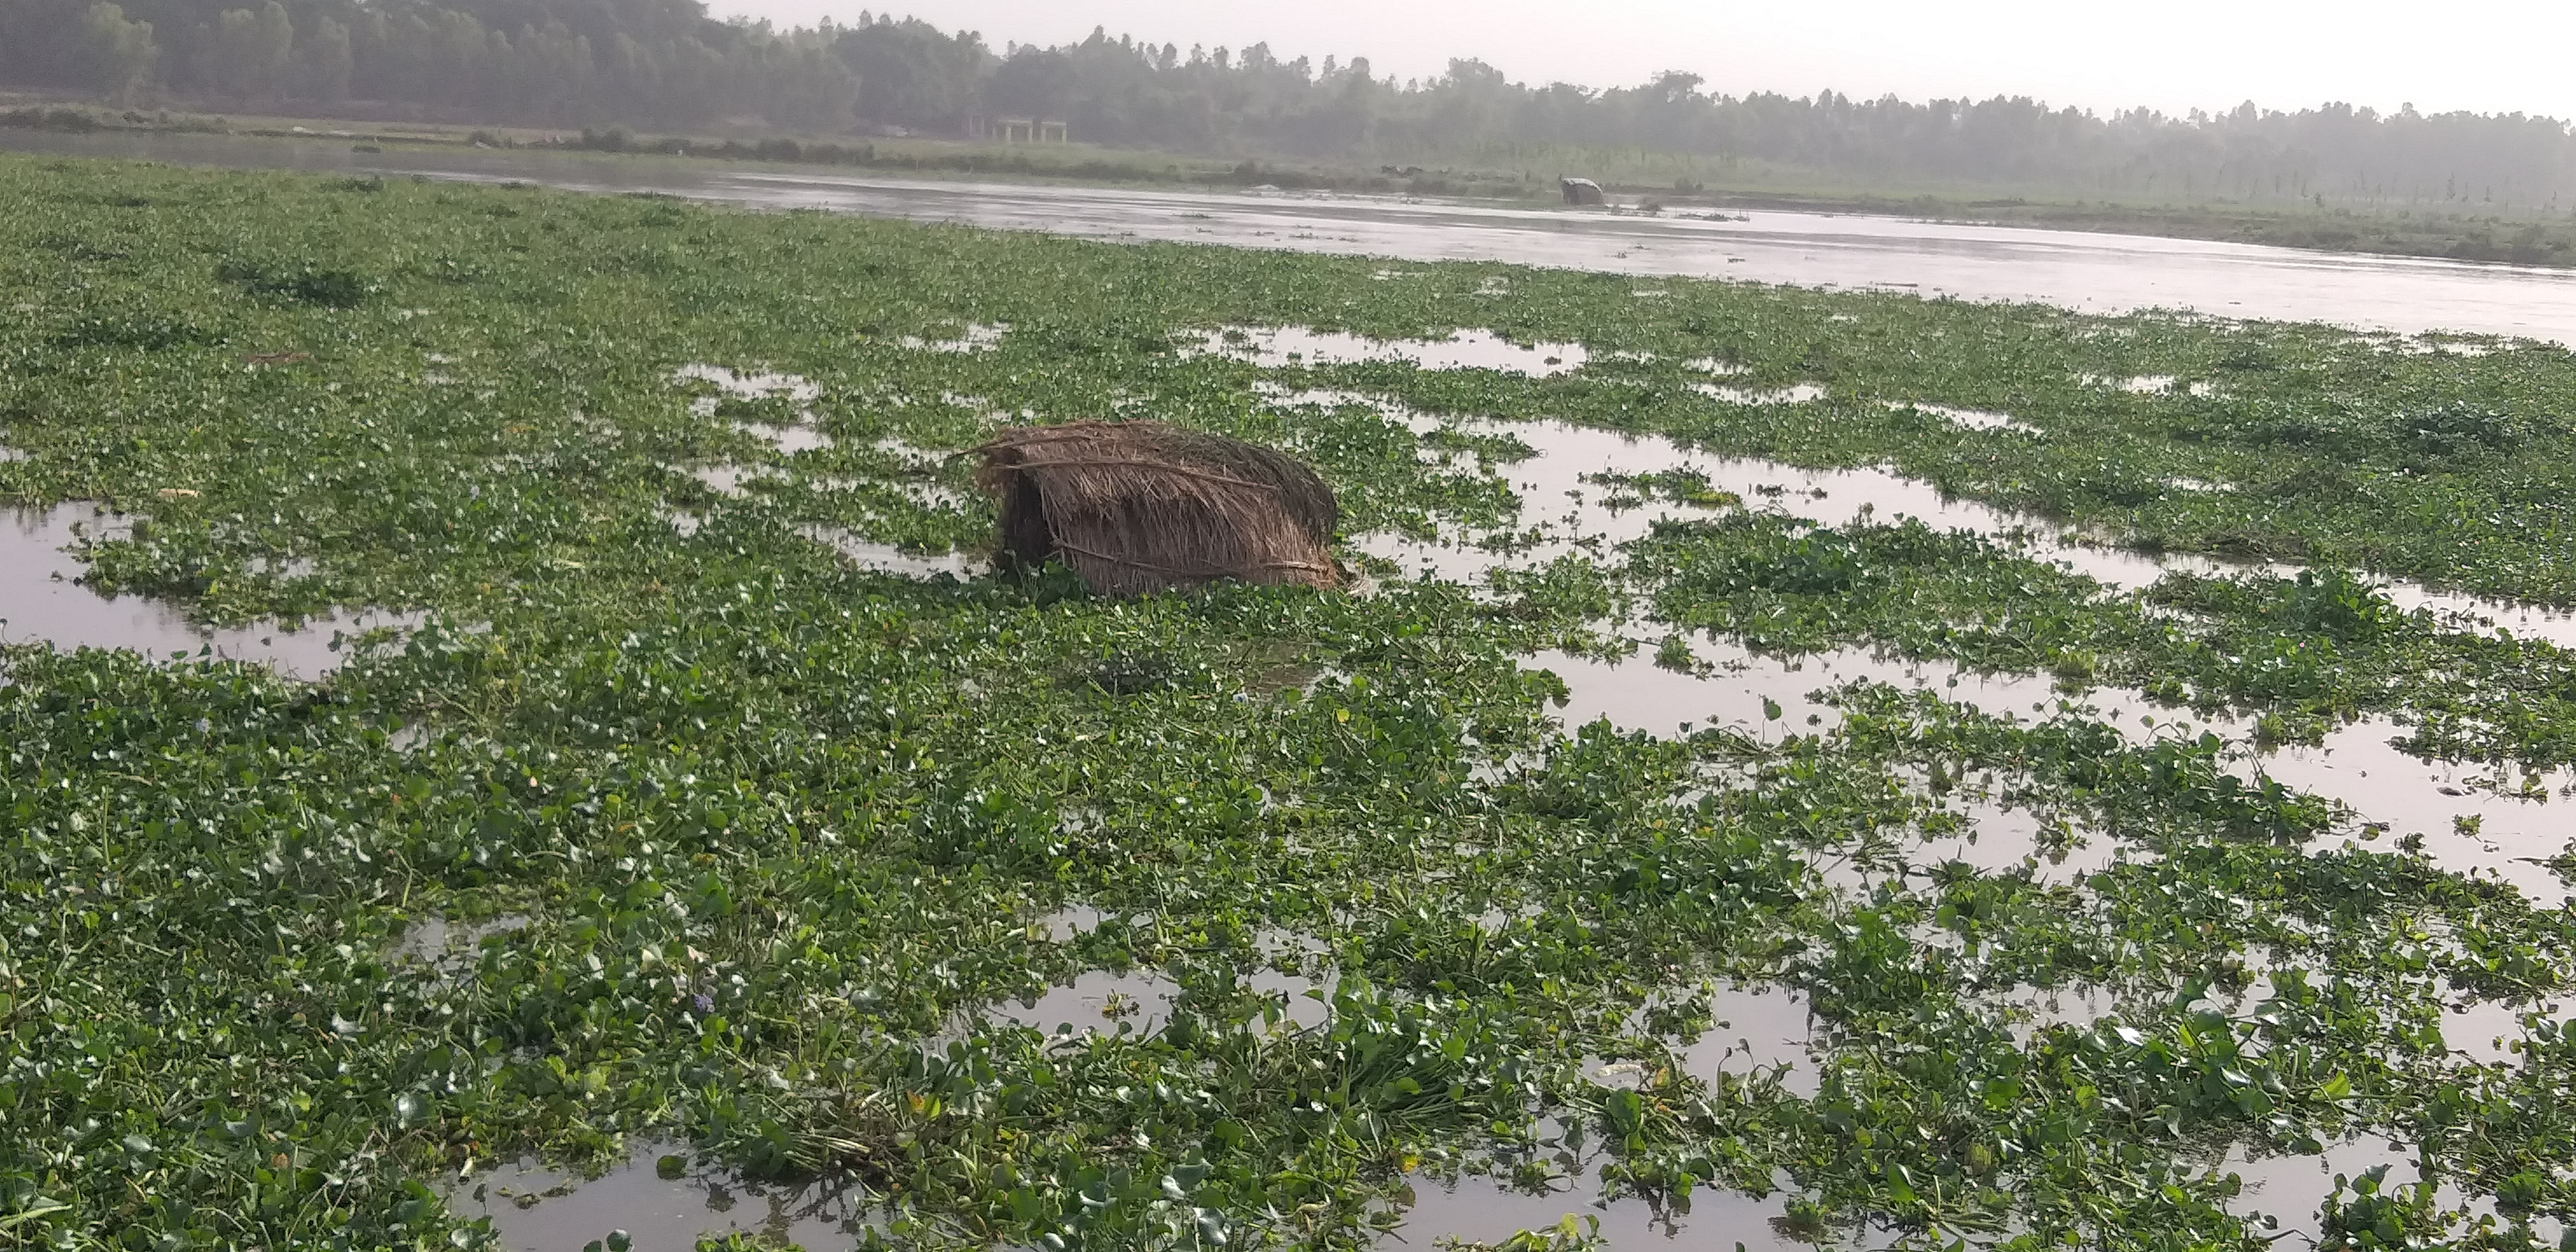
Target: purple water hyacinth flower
(704, 1004)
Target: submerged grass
(782, 826)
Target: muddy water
(1136, 1002)
(2512, 830)
(1140, 1002)
(1556, 490)
(2293, 1188)
(434, 940)
(2092, 272)
(539, 1210)
(2488, 1032)
(1483, 1209)
(40, 601)
(1755, 1027)
(2355, 765)
(885, 558)
(1272, 347)
(732, 481)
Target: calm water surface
(2079, 270)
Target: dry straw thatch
(1141, 506)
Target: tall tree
(324, 63)
(248, 56)
(117, 57)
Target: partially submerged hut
(1580, 190)
(1142, 506)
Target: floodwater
(2293, 1188)
(788, 439)
(885, 558)
(2511, 833)
(1137, 1002)
(1972, 419)
(41, 602)
(434, 940)
(1559, 491)
(976, 337)
(2074, 269)
(1272, 347)
(731, 481)
(662, 1207)
(1754, 1027)
(1482, 1209)
(1140, 1001)
(1758, 1026)
(2488, 1032)
(2466, 820)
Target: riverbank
(2458, 235)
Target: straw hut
(1141, 506)
(1580, 191)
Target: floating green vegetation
(705, 817)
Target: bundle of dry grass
(1141, 506)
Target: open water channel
(2076, 269)
(667, 1201)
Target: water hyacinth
(1997, 891)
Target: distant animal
(1580, 190)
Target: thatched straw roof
(1141, 506)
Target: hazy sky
(2488, 55)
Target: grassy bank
(775, 832)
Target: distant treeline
(651, 62)
(664, 63)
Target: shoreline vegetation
(2492, 238)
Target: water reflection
(1996, 838)
(2468, 818)
(1483, 1209)
(2459, 816)
(664, 1202)
(1971, 419)
(731, 481)
(1755, 1027)
(1795, 393)
(2292, 1187)
(1139, 1002)
(41, 601)
(977, 337)
(885, 558)
(435, 940)
(1773, 695)
(749, 385)
(2464, 820)
(1274, 347)
(788, 439)
(2486, 1032)
(2029, 1011)
(2079, 270)
(1096, 1001)
(1563, 494)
